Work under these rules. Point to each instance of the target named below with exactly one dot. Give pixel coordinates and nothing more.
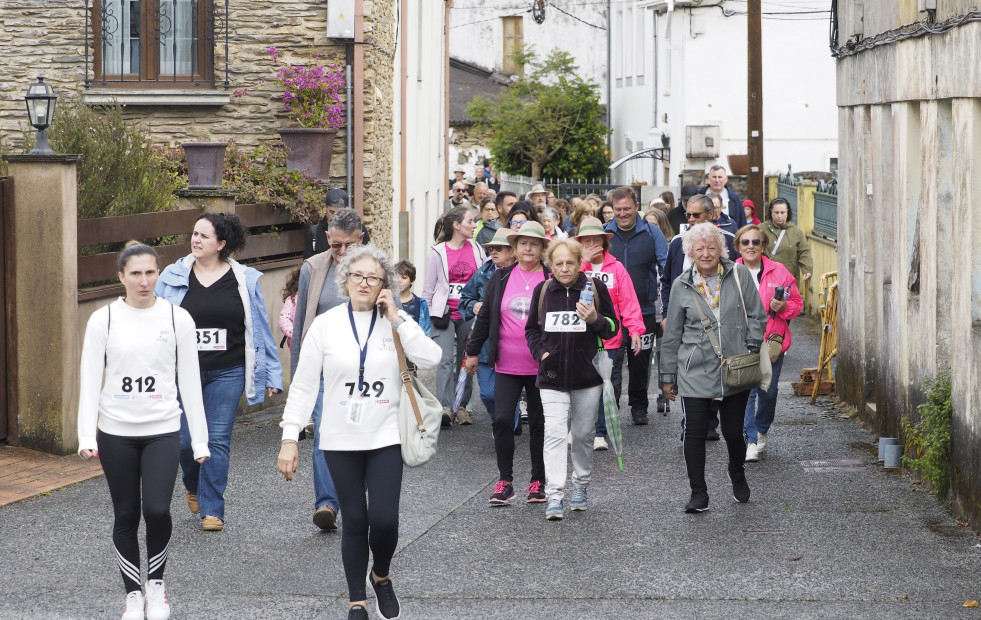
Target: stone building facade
(52, 38)
(909, 264)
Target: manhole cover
(819, 467)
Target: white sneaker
(600, 443)
(752, 453)
(134, 606)
(157, 607)
(761, 441)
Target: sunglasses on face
(693, 216)
(746, 242)
(338, 245)
(516, 222)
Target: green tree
(547, 123)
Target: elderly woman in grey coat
(727, 297)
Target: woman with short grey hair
(350, 347)
(724, 294)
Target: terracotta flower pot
(205, 164)
(309, 150)
(739, 164)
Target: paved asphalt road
(857, 542)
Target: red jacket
(774, 275)
(624, 297)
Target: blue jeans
(617, 380)
(221, 390)
(762, 406)
(486, 379)
(323, 484)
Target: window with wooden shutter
(513, 38)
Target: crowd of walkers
(531, 294)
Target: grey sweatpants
(579, 406)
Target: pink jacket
(774, 275)
(624, 297)
(286, 317)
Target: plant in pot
(312, 103)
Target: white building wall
(691, 71)
(426, 122)
(477, 36)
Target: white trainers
(752, 453)
(134, 606)
(157, 607)
(761, 442)
(599, 443)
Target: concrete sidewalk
(848, 540)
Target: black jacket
(569, 365)
(736, 211)
(487, 325)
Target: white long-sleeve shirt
(130, 360)
(354, 419)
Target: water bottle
(587, 293)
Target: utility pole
(754, 106)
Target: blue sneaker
(553, 512)
(577, 501)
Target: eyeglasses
(337, 245)
(516, 222)
(459, 190)
(357, 278)
(694, 216)
(746, 242)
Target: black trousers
(373, 525)
(698, 414)
(507, 392)
(140, 472)
(639, 368)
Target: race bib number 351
(212, 339)
(564, 322)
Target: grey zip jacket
(687, 357)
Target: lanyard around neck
(364, 349)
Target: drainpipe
(609, 69)
(403, 222)
(357, 186)
(350, 133)
(446, 107)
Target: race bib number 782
(567, 321)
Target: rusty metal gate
(8, 418)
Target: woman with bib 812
(144, 349)
(236, 349)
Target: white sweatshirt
(140, 353)
(351, 421)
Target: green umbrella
(611, 408)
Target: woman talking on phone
(359, 431)
(144, 349)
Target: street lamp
(40, 101)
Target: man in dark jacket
(676, 216)
(504, 202)
(642, 249)
(316, 241)
(731, 202)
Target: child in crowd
(414, 305)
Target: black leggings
(699, 413)
(507, 392)
(374, 525)
(128, 463)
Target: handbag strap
(739, 287)
(707, 326)
(406, 381)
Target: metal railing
(787, 188)
(826, 209)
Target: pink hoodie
(774, 275)
(624, 297)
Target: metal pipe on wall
(347, 109)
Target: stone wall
(48, 37)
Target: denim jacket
(260, 346)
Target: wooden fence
(273, 237)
